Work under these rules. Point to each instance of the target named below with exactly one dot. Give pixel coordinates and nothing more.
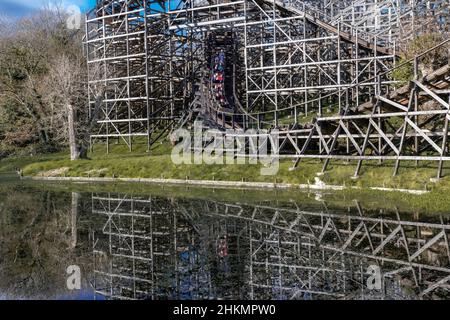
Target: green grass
(11, 164)
(121, 163)
(160, 165)
(332, 110)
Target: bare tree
(6, 25)
(67, 82)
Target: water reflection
(37, 233)
(158, 248)
(174, 247)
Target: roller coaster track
(317, 18)
(399, 125)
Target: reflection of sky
(18, 8)
(84, 294)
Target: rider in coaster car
(219, 77)
(216, 77)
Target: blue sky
(18, 8)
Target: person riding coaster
(218, 78)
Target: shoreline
(318, 186)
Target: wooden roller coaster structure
(321, 72)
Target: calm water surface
(202, 244)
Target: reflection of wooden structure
(274, 252)
(145, 251)
(337, 250)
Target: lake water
(180, 243)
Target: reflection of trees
(36, 233)
(74, 216)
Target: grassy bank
(139, 164)
(8, 165)
(121, 163)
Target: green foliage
(404, 73)
(424, 43)
(427, 62)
